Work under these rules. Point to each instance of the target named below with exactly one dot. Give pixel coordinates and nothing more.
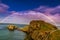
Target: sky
(23, 11)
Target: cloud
(49, 14)
(52, 12)
(3, 8)
(56, 18)
(26, 17)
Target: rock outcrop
(11, 27)
(38, 30)
(55, 35)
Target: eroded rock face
(42, 25)
(55, 35)
(38, 30)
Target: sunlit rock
(55, 35)
(38, 30)
(11, 27)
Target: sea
(5, 34)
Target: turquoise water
(8, 35)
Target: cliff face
(55, 35)
(42, 29)
(42, 25)
(38, 30)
